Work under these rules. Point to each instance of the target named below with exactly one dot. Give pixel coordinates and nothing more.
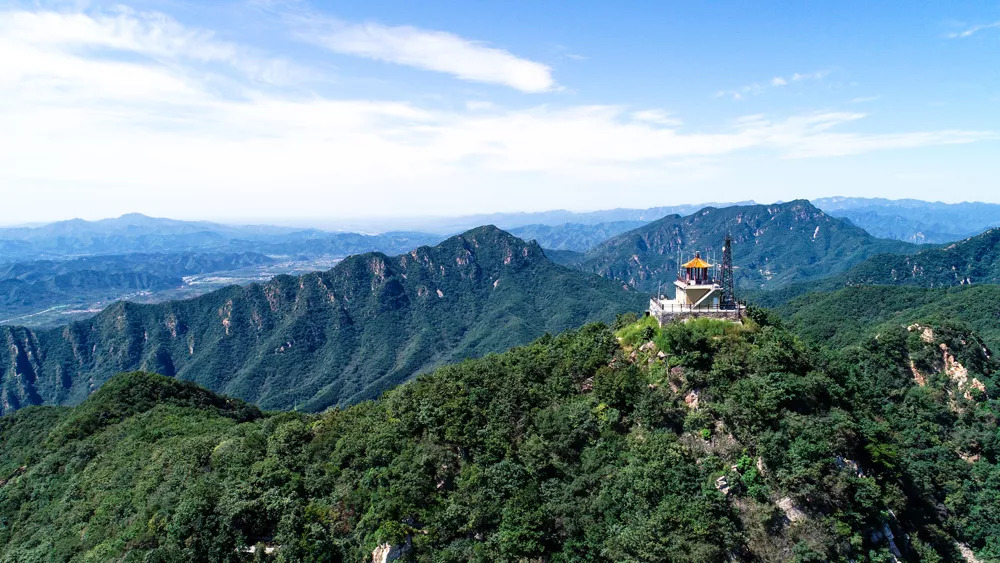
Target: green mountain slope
(774, 245)
(844, 316)
(739, 443)
(320, 339)
(975, 260)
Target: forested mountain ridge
(973, 261)
(842, 317)
(320, 339)
(703, 441)
(970, 261)
(773, 245)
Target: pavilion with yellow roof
(698, 292)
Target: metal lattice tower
(728, 300)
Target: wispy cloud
(657, 117)
(813, 135)
(433, 50)
(973, 30)
(150, 34)
(150, 119)
(757, 88)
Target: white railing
(678, 308)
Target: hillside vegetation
(320, 339)
(774, 245)
(843, 317)
(973, 261)
(704, 441)
(969, 261)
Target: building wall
(694, 294)
(735, 315)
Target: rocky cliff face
(323, 338)
(936, 363)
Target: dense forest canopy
(702, 441)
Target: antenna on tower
(728, 300)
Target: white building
(697, 294)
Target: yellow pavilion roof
(697, 263)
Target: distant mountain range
(774, 245)
(914, 220)
(321, 339)
(576, 237)
(908, 220)
(134, 233)
(513, 220)
(44, 283)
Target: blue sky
(296, 111)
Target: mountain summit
(772, 245)
(323, 338)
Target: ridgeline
(321, 339)
(775, 245)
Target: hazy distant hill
(773, 245)
(43, 283)
(324, 338)
(134, 233)
(135, 224)
(914, 220)
(514, 220)
(574, 236)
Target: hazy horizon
(377, 224)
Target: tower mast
(728, 300)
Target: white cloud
(151, 34)
(818, 75)
(813, 135)
(156, 134)
(757, 88)
(479, 105)
(436, 51)
(973, 30)
(656, 116)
